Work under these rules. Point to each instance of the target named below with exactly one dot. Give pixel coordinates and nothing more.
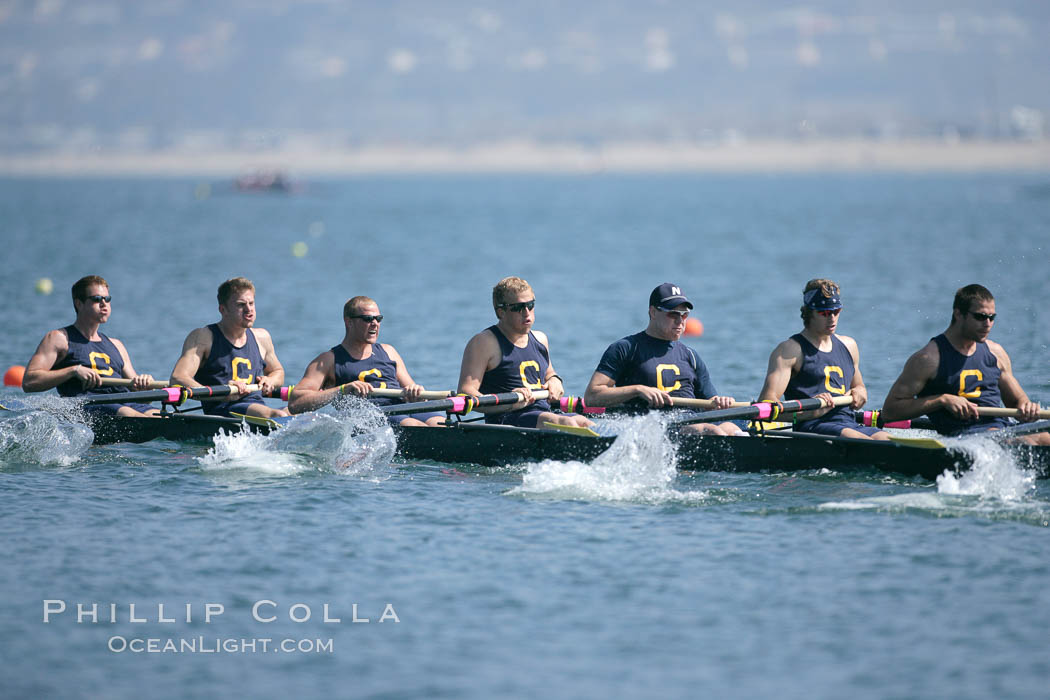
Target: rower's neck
(235, 333)
(516, 338)
(358, 349)
(818, 339)
(88, 329)
(965, 346)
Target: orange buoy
(693, 327)
(13, 375)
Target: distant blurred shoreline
(533, 157)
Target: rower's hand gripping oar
(463, 404)
(763, 410)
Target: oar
(763, 410)
(1000, 412)
(466, 404)
(459, 404)
(120, 381)
(173, 395)
(396, 394)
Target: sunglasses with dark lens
(369, 319)
(678, 315)
(982, 317)
(518, 308)
(829, 312)
(98, 298)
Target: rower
(510, 356)
(232, 352)
(357, 365)
(959, 371)
(74, 359)
(653, 367)
(818, 363)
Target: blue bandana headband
(814, 299)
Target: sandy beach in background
(532, 157)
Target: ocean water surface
(315, 561)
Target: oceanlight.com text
(219, 645)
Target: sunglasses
(369, 319)
(677, 315)
(982, 317)
(829, 312)
(98, 298)
(518, 308)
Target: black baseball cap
(668, 297)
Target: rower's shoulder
(998, 350)
(849, 342)
(261, 333)
(541, 336)
(925, 360)
(57, 336)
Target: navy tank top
(378, 370)
(100, 355)
(975, 377)
(821, 372)
(518, 367)
(226, 363)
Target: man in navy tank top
(817, 364)
(959, 371)
(74, 359)
(653, 366)
(357, 366)
(234, 352)
(511, 356)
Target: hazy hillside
(253, 74)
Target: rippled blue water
(617, 578)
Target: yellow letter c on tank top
(660, 369)
(106, 370)
(524, 379)
(830, 370)
(976, 374)
(235, 366)
(362, 377)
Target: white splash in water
(354, 439)
(995, 473)
(249, 451)
(38, 437)
(639, 466)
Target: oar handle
(396, 394)
(702, 403)
(121, 381)
(1000, 412)
(873, 419)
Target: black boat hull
(486, 445)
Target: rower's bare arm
(557, 389)
(40, 377)
(314, 390)
(410, 391)
(273, 376)
(1013, 395)
(782, 361)
(602, 391)
(194, 351)
(856, 387)
(903, 401)
(481, 354)
(139, 382)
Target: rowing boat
(498, 445)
